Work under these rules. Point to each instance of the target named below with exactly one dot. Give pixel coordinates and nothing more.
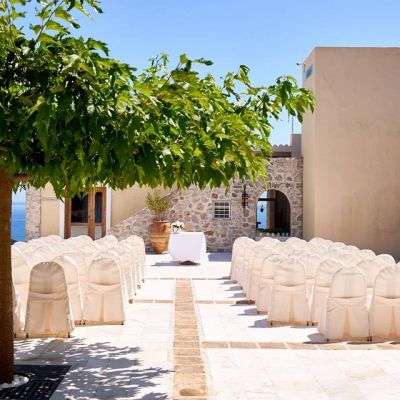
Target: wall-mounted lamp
(245, 198)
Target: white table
(187, 246)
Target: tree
(74, 117)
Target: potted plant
(160, 229)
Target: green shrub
(158, 204)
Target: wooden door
(86, 214)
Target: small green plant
(158, 204)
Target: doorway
(85, 214)
(273, 212)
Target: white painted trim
(61, 218)
(108, 208)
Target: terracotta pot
(159, 236)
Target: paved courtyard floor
(191, 335)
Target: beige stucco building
(341, 177)
(351, 147)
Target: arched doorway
(273, 213)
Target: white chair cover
(320, 242)
(104, 299)
(48, 311)
(299, 252)
(336, 246)
(311, 264)
(293, 240)
(140, 250)
(122, 258)
(332, 254)
(322, 284)
(45, 254)
(135, 275)
(352, 249)
(82, 262)
(51, 239)
(243, 271)
(350, 259)
(15, 252)
(106, 242)
(283, 248)
(21, 272)
(257, 262)
(18, 312)
(238, 250)
(367, 254)
(297, 242)
(314, 249)
(370, 268)
(252, 253)
(32, 257)
(268, 241)
(74, 292)
(34, 244)
(20, 246)
(61, 248)
(345, 312)
(80, 240)
(384, 314)
(386, 260)
(268, 269)
(289, 301)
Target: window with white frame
(221, 210)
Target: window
(222, 210)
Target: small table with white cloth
(187, 246)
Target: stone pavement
(191, 335)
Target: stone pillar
(33, 204)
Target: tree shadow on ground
(99, 370)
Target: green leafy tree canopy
(74, 117)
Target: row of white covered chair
(297, 282)
(99, 276)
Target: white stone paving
(131, 361)
(135, 360)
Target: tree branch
(22, 178)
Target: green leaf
(183, 59)
(56, 26)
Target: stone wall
(195, 208)
(32, 222)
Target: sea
(18, 221)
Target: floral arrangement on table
(177, 226)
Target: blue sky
(268, 36)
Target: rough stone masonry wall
(195, 208)
(32, 222)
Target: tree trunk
(6, 297)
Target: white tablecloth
(187, 246)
